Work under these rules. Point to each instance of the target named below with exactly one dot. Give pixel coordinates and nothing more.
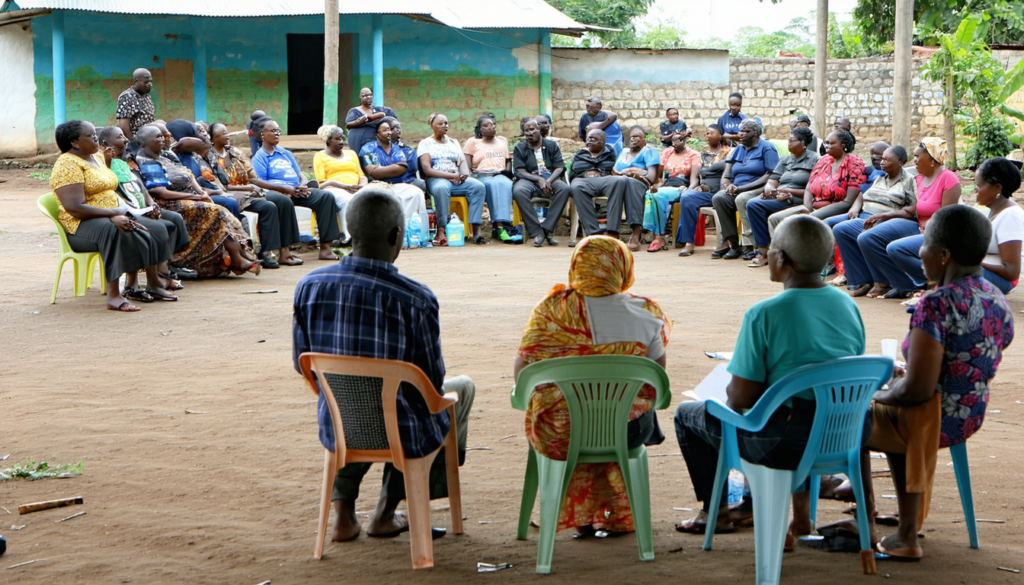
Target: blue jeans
(835, 220)
(997, 281)
(443, 189)
(873, 244)
(689, 213)
(656, 208)
(758, 211)
(228, 203)
(905, 252)
(498, 196)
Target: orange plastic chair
(368, 390)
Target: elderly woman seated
(778, 335)
(338, 170)
(681, 165)
(746, 173)
(958, 333)
(133, 193)
(96, 219)
(712, 167)
(277, 170)
(389, 162)
(218, 242)
(188, 147)
(641, 164)
(593, 315)
(785, 189)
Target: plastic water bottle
(455, 231)
(542, 212)
(414, 230)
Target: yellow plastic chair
(361, 394)
(84, 262)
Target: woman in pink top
(937, 187)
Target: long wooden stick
(35, 507)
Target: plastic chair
(367, 431)
(962, 472)
(599, 391)
(517, 217)
(83, 262)
(843, 389)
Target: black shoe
(750, 255)
(180, 273)
(269, 264)
(733, 254)
(538, 241)
(715, 255)
(550, 239)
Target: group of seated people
(938, 399)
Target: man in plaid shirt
(363, 307)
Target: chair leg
(452, 467)
(552, 489)
(815, 481)
(330, 470)
(56, 280)
(574, 222)
(771, 490)
(529, 495)
(721, 475)
(963, 482)
(417, 494)
(638, 490)
(867, 553)
(81, 274)
(103, 275)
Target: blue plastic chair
(963, 483)
(599, 392)
(843, 389)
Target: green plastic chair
(599, 391)
(84, 262)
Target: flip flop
(164, 298)
(689, 527)
(332, 258)
(173, 285)
(124, 307)
(390, 534)
(656, 246)
(685, 253)
(292, 261)
(903, 555)
(139, 296)
(887, 519)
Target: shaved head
(140, 73)
(142, 80)
(372, 216)
(806, 242)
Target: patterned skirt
(209, 228)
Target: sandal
(292, 261)
(758, 261)
(161, 297)
(905, 554)
(441, 241)
(656, 246)
(720, 252)
(634, 244)
(691, 527)
(898, 294)
(124, 307)
(685, 253)
(173, 284)
(881, 290)
(139, 296)
(838, 281)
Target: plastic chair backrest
(367, 430)
(843, 388)
(51, 208)
(599, 392)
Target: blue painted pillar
(198, 67)
(378, 60)
(545, 72)
(60, 112)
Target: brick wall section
(860, 89)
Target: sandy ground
(230, 496)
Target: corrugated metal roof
(455, 13)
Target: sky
(703, 19)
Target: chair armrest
(307, 372)
(754, 420)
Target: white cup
(889, 348)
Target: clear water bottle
(542, 212)
(455, 231)
(414, 230)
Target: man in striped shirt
(363, 307)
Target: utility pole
(821, 70)
(902, 71)
(332, 30)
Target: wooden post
(59, 99)
(821, 71)
(332, 30)
(948, 124)
(902, 72)
(378, 59)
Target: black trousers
(123, 251)
(326, 210)
(277, 223)
(619, 191)
(524, 190)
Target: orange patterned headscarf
(558, 327)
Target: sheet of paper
(719, 355)
(140, 212)
(713, 385)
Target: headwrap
(325, 132)
(182, 129)
(936, 147)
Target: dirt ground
(231, 495)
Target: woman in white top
(444, 167)
(997, 179)
(488, 158)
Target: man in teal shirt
(809, 322)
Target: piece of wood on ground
(70, 517)
(25, 563)
(50, 504)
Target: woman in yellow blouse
(95, 219)
(337, 169)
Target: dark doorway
(306, 81)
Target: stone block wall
(773, 89)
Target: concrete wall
(17, 102)
(427, 68)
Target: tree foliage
(620, 14)
(877, 19)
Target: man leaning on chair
(363, 307)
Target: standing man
(731, 120)
(135, 105)
(607, 122)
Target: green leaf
(1014, 81)
(965, 32)
(1012, 112)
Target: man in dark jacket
(537, 162)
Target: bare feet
(741, 512)
(346, 525)
(878, 290)
(894, 547)
(699, 523)
(860, 290)
(391, 525)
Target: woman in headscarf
(891, 248)
(362, 120)
(593, 315)
(337, 169)
(187, 146)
